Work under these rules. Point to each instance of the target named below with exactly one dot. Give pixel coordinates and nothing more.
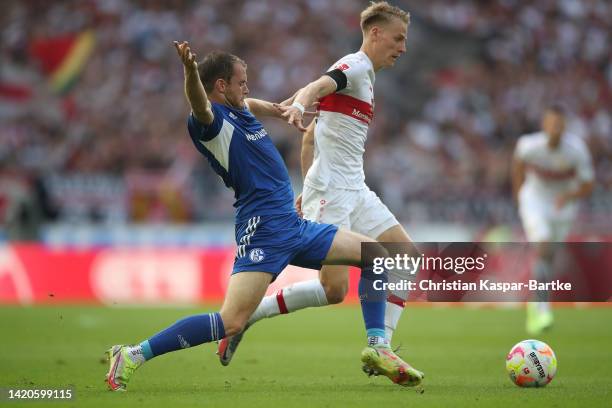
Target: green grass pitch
(307, 359)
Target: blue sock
(373, 302)
(188, 332)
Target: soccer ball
(531, 363)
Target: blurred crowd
(532, 54)
(113, 147)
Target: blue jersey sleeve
(200, 131)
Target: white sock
(392, 316)
(135, 354)
(295, 297)
(376, 341)
(396, 300)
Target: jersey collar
(367, 59)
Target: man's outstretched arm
(307, 96)
(261, 108)
(194, 90)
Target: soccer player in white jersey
(334, 187)
(552, 170)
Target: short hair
(381, 11)
(556, 108)
(217, 65)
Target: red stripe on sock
(396, 300)
(282, 307)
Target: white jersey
(550, 172)
(342, 127)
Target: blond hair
(381, 12)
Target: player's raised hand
(312, 113)
(187, 57)
(294, 116)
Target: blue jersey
(240, 151)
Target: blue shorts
(270, 243)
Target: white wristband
(299, 106)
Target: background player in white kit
(551, 171)
(334, 187)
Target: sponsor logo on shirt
(357, 113)
(260, 134)
(347, 105)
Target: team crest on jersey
(342, 67)
(257, 255)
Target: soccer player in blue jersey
(269, 233)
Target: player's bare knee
(233, 324)
(233, 328)
(335, 293)
(375, 250)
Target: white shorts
(357, 210)
(541, 220)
